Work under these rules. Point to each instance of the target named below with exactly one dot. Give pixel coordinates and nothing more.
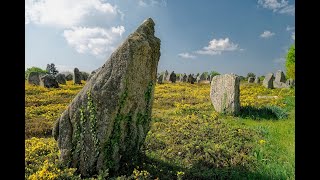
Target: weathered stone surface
(225, 93)
(61, 78)
(69, 77)
(268, 81)
(280, 85)
(160, 79)
(250, 79)
(191, 79)
(93, 73)
(166, 76)
(76, 76)
(34, 78)
(84, 76)
(173, 77)
(106, 123)
(48, 81)
(280, 77)
(257, 80)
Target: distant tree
(290, 62)
(242, 78)
(34, 69)
(214, 73)
(51, 69)
(250, 74)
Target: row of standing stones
(53, 81)
(191, 78)
(107, 122)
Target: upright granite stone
(257, 80)
(250, 79)
(290, 82)
(61, 78)
(225, 93)
(268, 81)
(184, 78)
(84, 76)
(106, 123)
(160, 79)
(69, 77)
(34, 78)
(166, 76)
(48, 81)
(173, 77)
(280, 80)
(76, 76)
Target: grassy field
(187, 140)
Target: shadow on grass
(267, 112)
(200, 171)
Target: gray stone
(76, 76)
(268, 81)
(184, 78)
(48, 81)
(69, 77)
(84, 75)
(290, 82)
(250, 79)
(160, 79)
(257, 80)
(61, 78)
(277, 84)
(34, 78)
(166, 76)
(173, 77)
(191, 79)
(105, 125)
(225, 93)
(280, 77)
(93, 73)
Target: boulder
(69, 77)
(34, 78)
(48, 81)
(173, 77)
(61, 78)
(76, 76)
(105, 125)
(268, 81)
(225, 93)
(250, 79)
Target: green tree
(250, 74)
(34, 69)
(51, 69)
(214, 73)
(290, 62)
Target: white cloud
(280, 6)
(65, 13)
(217, 46)
(146, 3)
(186, 56)
(96, 41)
(279, 60)
(267, 34)
(64, 68)
(293, 35)
(289, 28)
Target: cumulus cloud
(267, 34)
(186, 55)
(289, 28)
(217, 46)
(146, 3)
(279, 6)
(65, 13)
(97, 41)
(293, 35)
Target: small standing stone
(160, 79)
(34, 78)
(61, 78)
(184, 78)
(268, 81)
(173, 77)
(257, 80)
(76, 76)
(225, 93)
(49, 81)
(250, 79)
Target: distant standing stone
(76, 76)
(250, 79)
(280, 77)
(166, 76)
(184, 78)
(225, 93)
(290, 83)
(268, 81)
(173, 77)
(48, 81)
(61, 78)
(69, 77)
(160, 79)
(34, 78)
(257, 80)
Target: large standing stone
(34, 78)
(160, 79)
(69, 77)
(268, 81)
(250, 79)
(48, 81)
(106, 123)
(173, 77)
(280, 77)
(76, 76)
(225, 93)
(61, 78)
(93, 73)
(257, 80)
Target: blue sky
(228, 36)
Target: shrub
(34, 69)
(51, 69)
(250, 74)
(290, 62)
